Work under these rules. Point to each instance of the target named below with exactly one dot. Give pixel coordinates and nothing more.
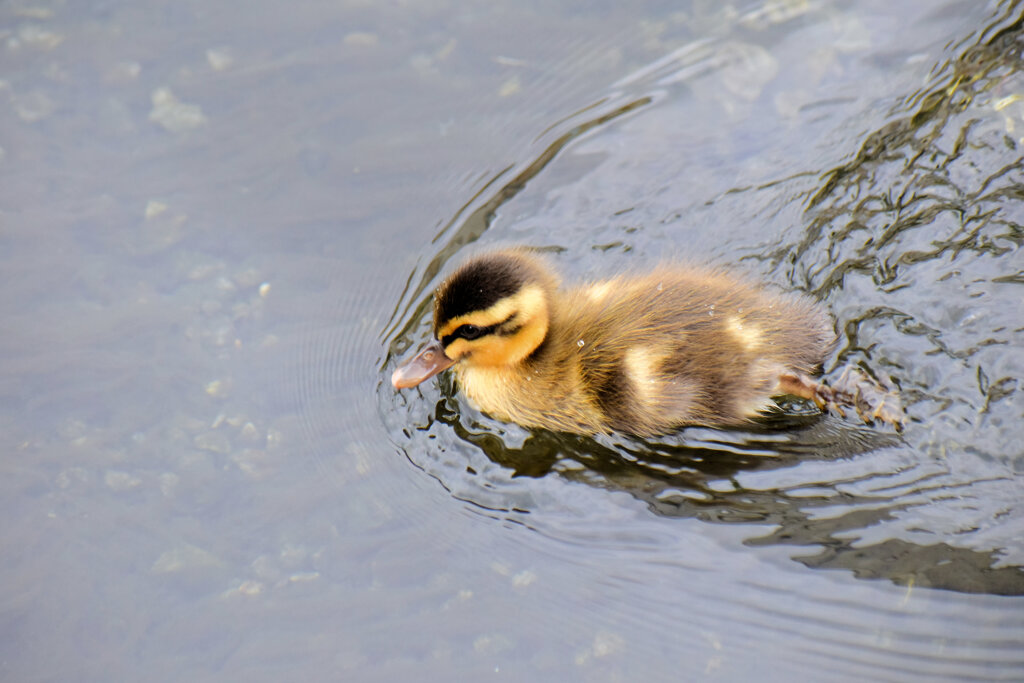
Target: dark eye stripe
(510, 330)
(461, 334)
(478, 332)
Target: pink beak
(424, 365)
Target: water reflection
(698, 474)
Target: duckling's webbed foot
(803, 386)
(872, 399)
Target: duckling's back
(681, 347)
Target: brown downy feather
(641, 355)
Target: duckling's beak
(424, 365)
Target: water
(220, 231)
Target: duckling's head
(492, 311)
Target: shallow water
(220, 231)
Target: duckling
(642, 355)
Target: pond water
(220, 229)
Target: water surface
(220, 231)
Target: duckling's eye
(470, 332)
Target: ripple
(911, 242)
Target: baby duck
(641, 355)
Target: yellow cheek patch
(528, 302)
(458, 348)
(748, 336)
(497, 350)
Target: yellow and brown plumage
(637, 354)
